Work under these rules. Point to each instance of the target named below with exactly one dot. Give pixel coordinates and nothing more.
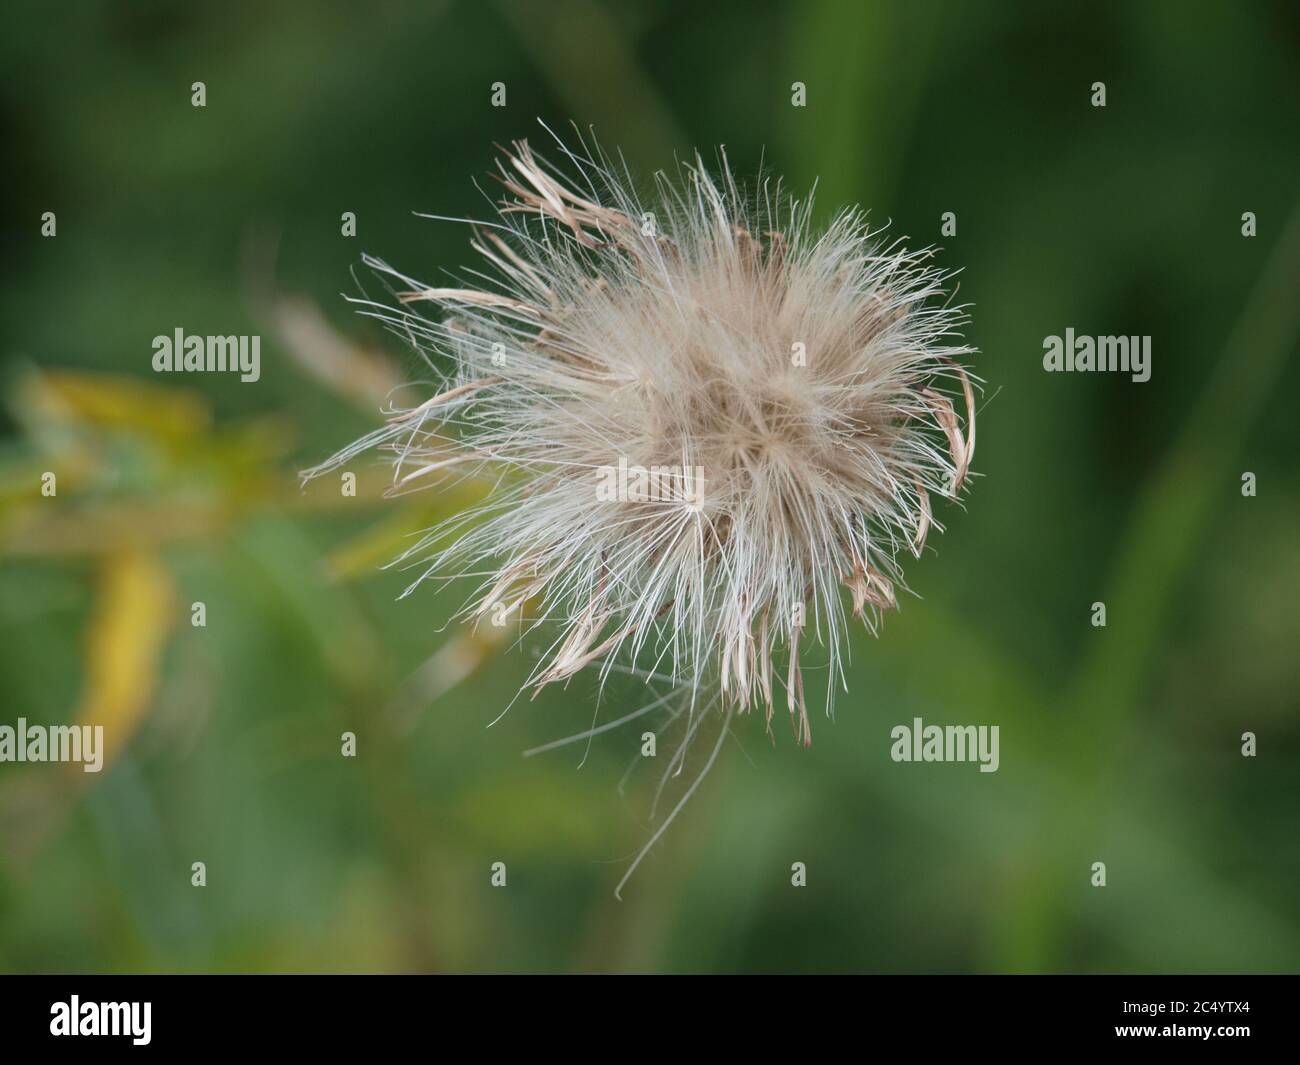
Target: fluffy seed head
(711, 431)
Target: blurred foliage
(1120, 744)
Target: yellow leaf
(124, 643)
(117, 401)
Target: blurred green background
(1119, 744)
